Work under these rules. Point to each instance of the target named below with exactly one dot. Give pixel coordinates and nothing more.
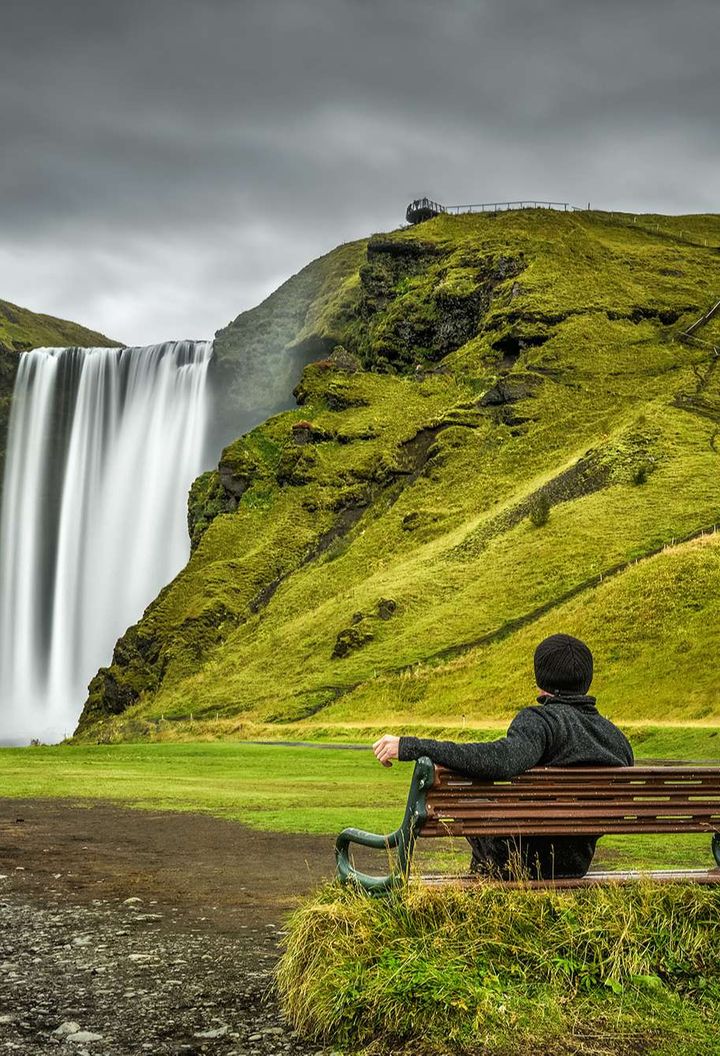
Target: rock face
(9, 360)
(492, 422)
(388, 304)
(260, 356)
(418, 304)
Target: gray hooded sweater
(564, 730)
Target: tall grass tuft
(595, 971)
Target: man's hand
(386, 749)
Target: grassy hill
(20, 330)
(512, 439)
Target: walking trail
(128, 932)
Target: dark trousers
(531, 857)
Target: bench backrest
(575, 801)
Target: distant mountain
(507, 434)
(21, 329)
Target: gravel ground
(138, 945)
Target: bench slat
(476, 795)
(646, 789)
(575, 801)
(563, 828)
(537, 778)
(587, 777)
(550, 817)
(659, 876)
(553, 809)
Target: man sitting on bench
(563, 729)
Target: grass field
(302, 789)
(288, 789)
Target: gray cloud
(166, 163)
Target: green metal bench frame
(402, 840)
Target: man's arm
(522, 748)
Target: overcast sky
(165, 164)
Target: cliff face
(259, 357)
(21, 330)
(501, 435)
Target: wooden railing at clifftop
(689, 334)
(702, 320)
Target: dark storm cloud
(166, 163)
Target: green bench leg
(716, 847)
(402, 841)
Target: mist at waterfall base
(103, 446)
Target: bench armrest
(346, 870)
(402, 840)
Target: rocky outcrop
(419, 301)
(9, 360)
(260, 356)
(360, 631)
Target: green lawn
(289, 789)
(299, 789)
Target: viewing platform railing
(425, 208)
(497, 207)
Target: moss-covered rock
(350, 639)
(237, 469)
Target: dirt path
(184, 967)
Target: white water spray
(102, 448)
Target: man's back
(580, 735)
(561, 730)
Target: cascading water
(102, 448)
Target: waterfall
(103, 446)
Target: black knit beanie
(563, 664)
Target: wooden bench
(548, 801)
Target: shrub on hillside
(641, 473)
(539, 512)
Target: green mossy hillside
(21, 329)
(510, 437)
